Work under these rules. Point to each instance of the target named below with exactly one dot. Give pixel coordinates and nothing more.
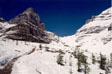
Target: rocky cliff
(28, 27)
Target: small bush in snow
(60, 59)
(71, 71)
(47, 48)
(16, 42)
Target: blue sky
(62, 17)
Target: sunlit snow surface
(42, 61)
(88, 37)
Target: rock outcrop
(28, 27)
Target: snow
(6, 25)
(35, 60)
(94, 42)
(44, 63)
(40, 61)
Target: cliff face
(28, 17)
(28, 27)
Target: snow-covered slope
(63, 54)
(95, 35)
(29, 58)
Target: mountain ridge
(98, 29)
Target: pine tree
(86, 68)
(82, 60)
(40, 46)
(111, 60)
(79, 65)
(79, 61)
(93, 59)
(70, 61)
(102, 61)
(78, 55)
(16, 42)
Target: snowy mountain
(95, 35)
(28, 27)
(27, 48)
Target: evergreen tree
(16, 42)
(40, 46)
(111, 60)
(93, 59)
(70, 61)
(78, 56)
(86, 68)
(102, 61)
(82, 60)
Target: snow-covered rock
(94, 36)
